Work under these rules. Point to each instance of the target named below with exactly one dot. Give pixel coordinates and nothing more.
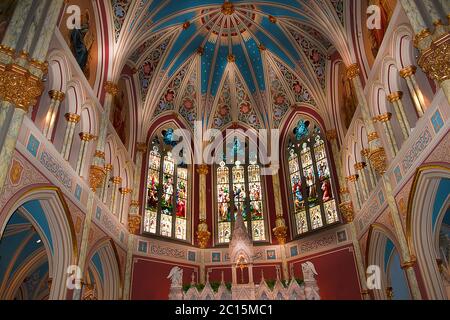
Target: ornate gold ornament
(352, 178)
(386, 117)
(410, 263)
(280, 230)
(186, 25)
(56, 95)
(231, 58)
(134, 223)
(117, 180)
(125, 191)
(395, 96)
(85, 136)
(344, 190)
(272, 19)
(408, 71)
(141, 147)
(108, 167)
(365, 152)
(262, 47)
(42, 66)
(96, 176)
(378, 160)
(134, 203)
(435, 60)
(425, 33)
(111, 88)
(7, 50)
(347, 211)
(203, 234)
(227, 8)
(353, 71)
(372, 136)
(203, 169)
(99, 154)
(72, 117)
(331, 135)
(200, 51)
(360, 166)
(19, 87)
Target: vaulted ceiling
(228, 62)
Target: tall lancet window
(240, 187)
(166, 206)
(311, 185)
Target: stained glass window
(311, 189)
(166, 210)
(239, 187)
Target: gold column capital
(378, 160)
(385, 117)
(360, 166)
(352, 71)
(125, 191)
(134, 223)
(141, 147)
(108, 167)
(421, 35)
(347, 211)
(117, 180)
(365, 152)
(231, 58)
(372, 136)
(344, 190)
(331, 135)
(202, 169)
(99, 154)
(19, 87)
(435, 60)
(395, 96)
(111, 88)
(408, 71)
(86, 136)
(134, 204)
(352, 178)
(96, 176)
(409, 264)
(72, 117)
(7, 50)
(56, 95)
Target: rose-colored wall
(337, 274)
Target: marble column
(141, 150)
(360, 168)
(385, 120)
(123, 212)
(113, 205)
(129, 267)
(396, 99)
(97, 171)
(56, 98)
(377, 156)
(409, 74)
(408, 260)
(72, 120)
(85, 138)
(104, 190)
(203, 235)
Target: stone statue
(311, 288)
(176, 287)
(176, 276)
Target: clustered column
(72, 120)
(123, 215)
(134, 219)
(104, 190)
(56, 98)
(360, 167)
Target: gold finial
(353, 71)
(227, 8)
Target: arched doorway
(37, 246)
(382, 252)
(428, 219)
